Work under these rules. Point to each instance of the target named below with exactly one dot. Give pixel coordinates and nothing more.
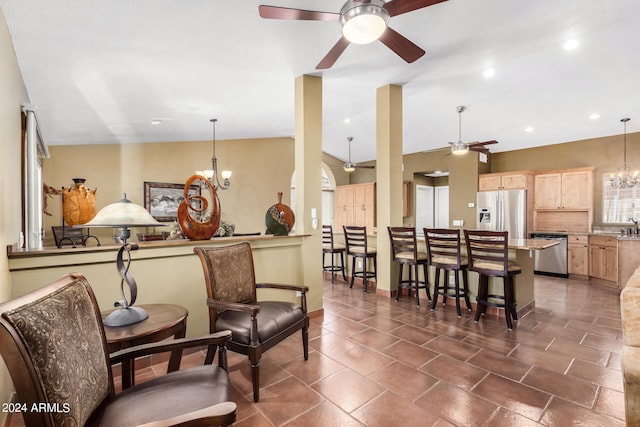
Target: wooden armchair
(53, 343)
(256, 326)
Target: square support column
(308, 181)
(388, 179)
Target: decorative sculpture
(48, 192)
(279, 218)
(208, 222)
(78, 203)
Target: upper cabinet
(571, 190)
(355, 205)
(504, 181)
(563, 200)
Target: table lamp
(122, 215)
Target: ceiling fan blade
(398, 7)
(479, 149)
(401, 45)
(276, 12)
(493, 141)
(333, 55)
(363, 167)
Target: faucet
(635, 223)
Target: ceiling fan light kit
(460, 148)
(363, 23)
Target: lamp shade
(123, 213)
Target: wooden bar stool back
(331, 248)
(356, 240)
(443, 252)
(488, 254)
(404, 249)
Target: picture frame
(162, 199)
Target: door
(424, 207)
(441, 207)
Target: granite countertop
(532, 244)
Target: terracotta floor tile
(607, 377)
(382, 323)
(374, 339)
(324, 415)
(610, 402)
(451, 347)
(404, 381)
(348, 390)
(498, 345)
(603, 343)
(390, 410)
(563, 413)
(345, 327)
(331, 344)
(287, 399)
(579, 351)
(550, 360)
(516, 397)
(500, 364)
(506, 418)
(469, 409)
(413, 334)
(363, 360)
(569, 388)
(454, 371)
(410, 354)
(313, 370)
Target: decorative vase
(279, 218)
(78, 203)
(199, 229)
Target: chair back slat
(327, 235)
(403, 241)
(355, 238)
(488, 251)
(443, 243)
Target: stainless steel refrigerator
(503, 210)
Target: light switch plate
(458, 222)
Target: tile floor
(375, 362)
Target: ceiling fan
(460, 147)
(361, 21)
(348, 166)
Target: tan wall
(13, 94)
(606, 154)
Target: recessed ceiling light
(594, 116)
(347, 120)
(571, 44)
(489, 72)
(159, 120)
(528, 129)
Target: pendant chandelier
(212, 174)
(625, 177)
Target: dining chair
(256, 326)
(404, 250)
(488, 254)
(444, 253)
(53, 343)
(331, 248)
(357, 246)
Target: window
(619, 204)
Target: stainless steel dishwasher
(551, 261)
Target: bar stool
(488, 253)
(443, 253)
(332, 248)
(404, 248)
(356, 240)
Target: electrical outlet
(458, 222)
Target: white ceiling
(100, 70)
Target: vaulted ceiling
(99, 71)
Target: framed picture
(162, 199)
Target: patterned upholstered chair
(256, 326)
(53, 343)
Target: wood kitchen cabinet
(578, 254)
(505, 181)
(603, 259)
(355, 205)
(571, 189)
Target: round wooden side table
(164, 321)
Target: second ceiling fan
(361, 21)
(348, 166)
(462, 147)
